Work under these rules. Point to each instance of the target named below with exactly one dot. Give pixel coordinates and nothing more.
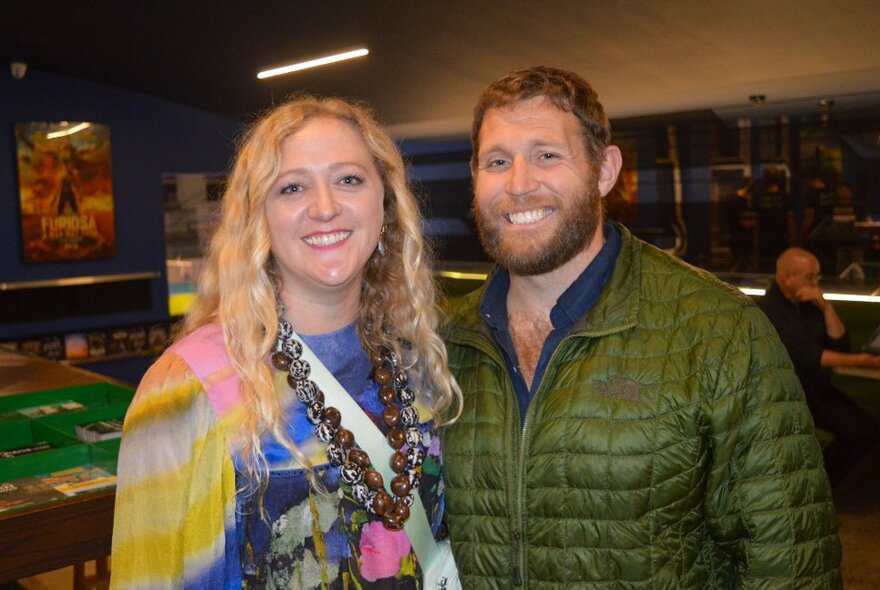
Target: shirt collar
(580, 296)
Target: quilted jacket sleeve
(768, 499)
(175, 486)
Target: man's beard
(579, 219)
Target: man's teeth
(524, 217)
(326, 239)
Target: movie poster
(65, 191)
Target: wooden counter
(55, 535)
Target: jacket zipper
(519, 486)
(520, 477)
(516, 488)
(517, 580)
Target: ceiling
(429, 60)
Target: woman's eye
(352, 180)
(291, 188)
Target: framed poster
(65, 191)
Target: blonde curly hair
(237, 286)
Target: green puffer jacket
(668, 446)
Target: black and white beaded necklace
(356, 469)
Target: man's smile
(526, 217)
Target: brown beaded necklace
(356, 469)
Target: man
(629, 421)
(816, 340)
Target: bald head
(795, 269)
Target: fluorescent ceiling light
(71, 131)
(313, 63)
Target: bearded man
(629, 421)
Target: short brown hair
(566, 90)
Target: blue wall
(149, 137)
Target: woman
(229, 471)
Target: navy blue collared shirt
(571, 306)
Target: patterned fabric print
(327, 540)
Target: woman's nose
(324, 206)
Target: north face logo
(619, 388)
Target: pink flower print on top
(381, 551)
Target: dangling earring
(381, 245)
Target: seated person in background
(816, 340)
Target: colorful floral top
(181, 524)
